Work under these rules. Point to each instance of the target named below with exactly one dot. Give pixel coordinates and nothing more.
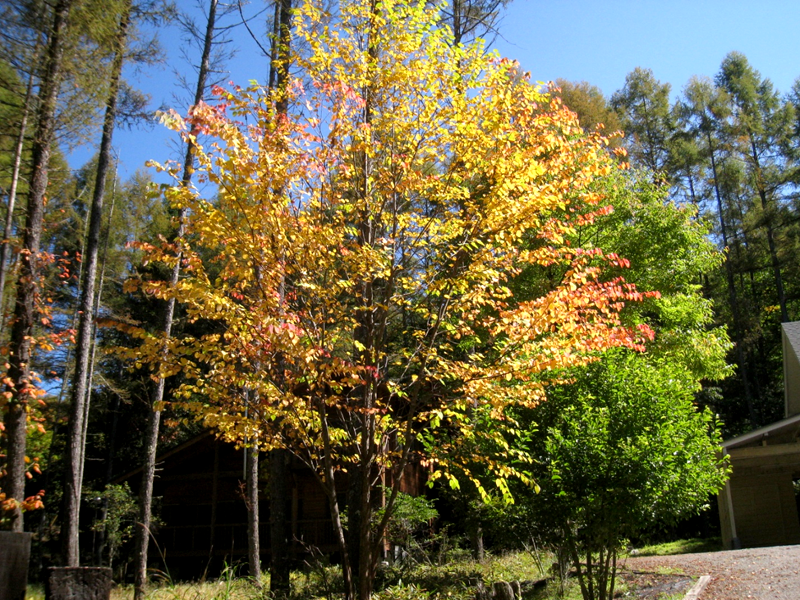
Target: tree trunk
(12, 193)
(354, 519)
(112, 438)
(475, 532)
(112, 435)
(146, 497)
(73, 472)
(20, 349)
(770, 230)
(329, 484)
(280, 531)
(738, 330)
(253, 541)
(279, 524)
(154, 420)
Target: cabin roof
(790, 427)
(162, 457)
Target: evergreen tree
(78, 421)
(21, 383)
(644, 109)
(761, 125)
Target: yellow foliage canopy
(356, 258)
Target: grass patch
(680, 547)
(227, 587)
(455, 578)
(35, 591)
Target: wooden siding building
(202, 515)
(758, 505)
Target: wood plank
(698, 588)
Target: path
(753, 573)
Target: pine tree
(80, 397)
(21, 386)
(644, 109)
(703, 112)
(761, 125)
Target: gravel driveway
(757, 573)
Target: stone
(503, 591)
(481, 593)
(78, 583)
(15, 552)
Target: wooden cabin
(202, 515)
(758, 505)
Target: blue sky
(581, 40)
(601, 41)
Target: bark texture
(25, 312)
(253, 541)
(154, 418)
(79, 405)
(279, 521)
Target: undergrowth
(454, 577)
(680, 547)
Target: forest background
(725, 144)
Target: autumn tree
(588, 102)
(363, 246)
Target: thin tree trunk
(5, 248)
(363, 553)
(112, 438)
(19, 374)
(475, 533)
(329, 482)
(279, 524)
(154, 419)
(73, 471)
(732, 295)
(66, 379)
(280, 531)
(613, 573)
(770, 229)
(253, 541)
(92, 365)
(576, 560)
(354, 520)
(146, 496)
(457, 32)
(214, 503)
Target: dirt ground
(652, 586)
(753, 573)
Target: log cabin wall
(202, 515)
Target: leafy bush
(411, 516)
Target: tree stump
(503, 591)
(78, 583)
(15, 551)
